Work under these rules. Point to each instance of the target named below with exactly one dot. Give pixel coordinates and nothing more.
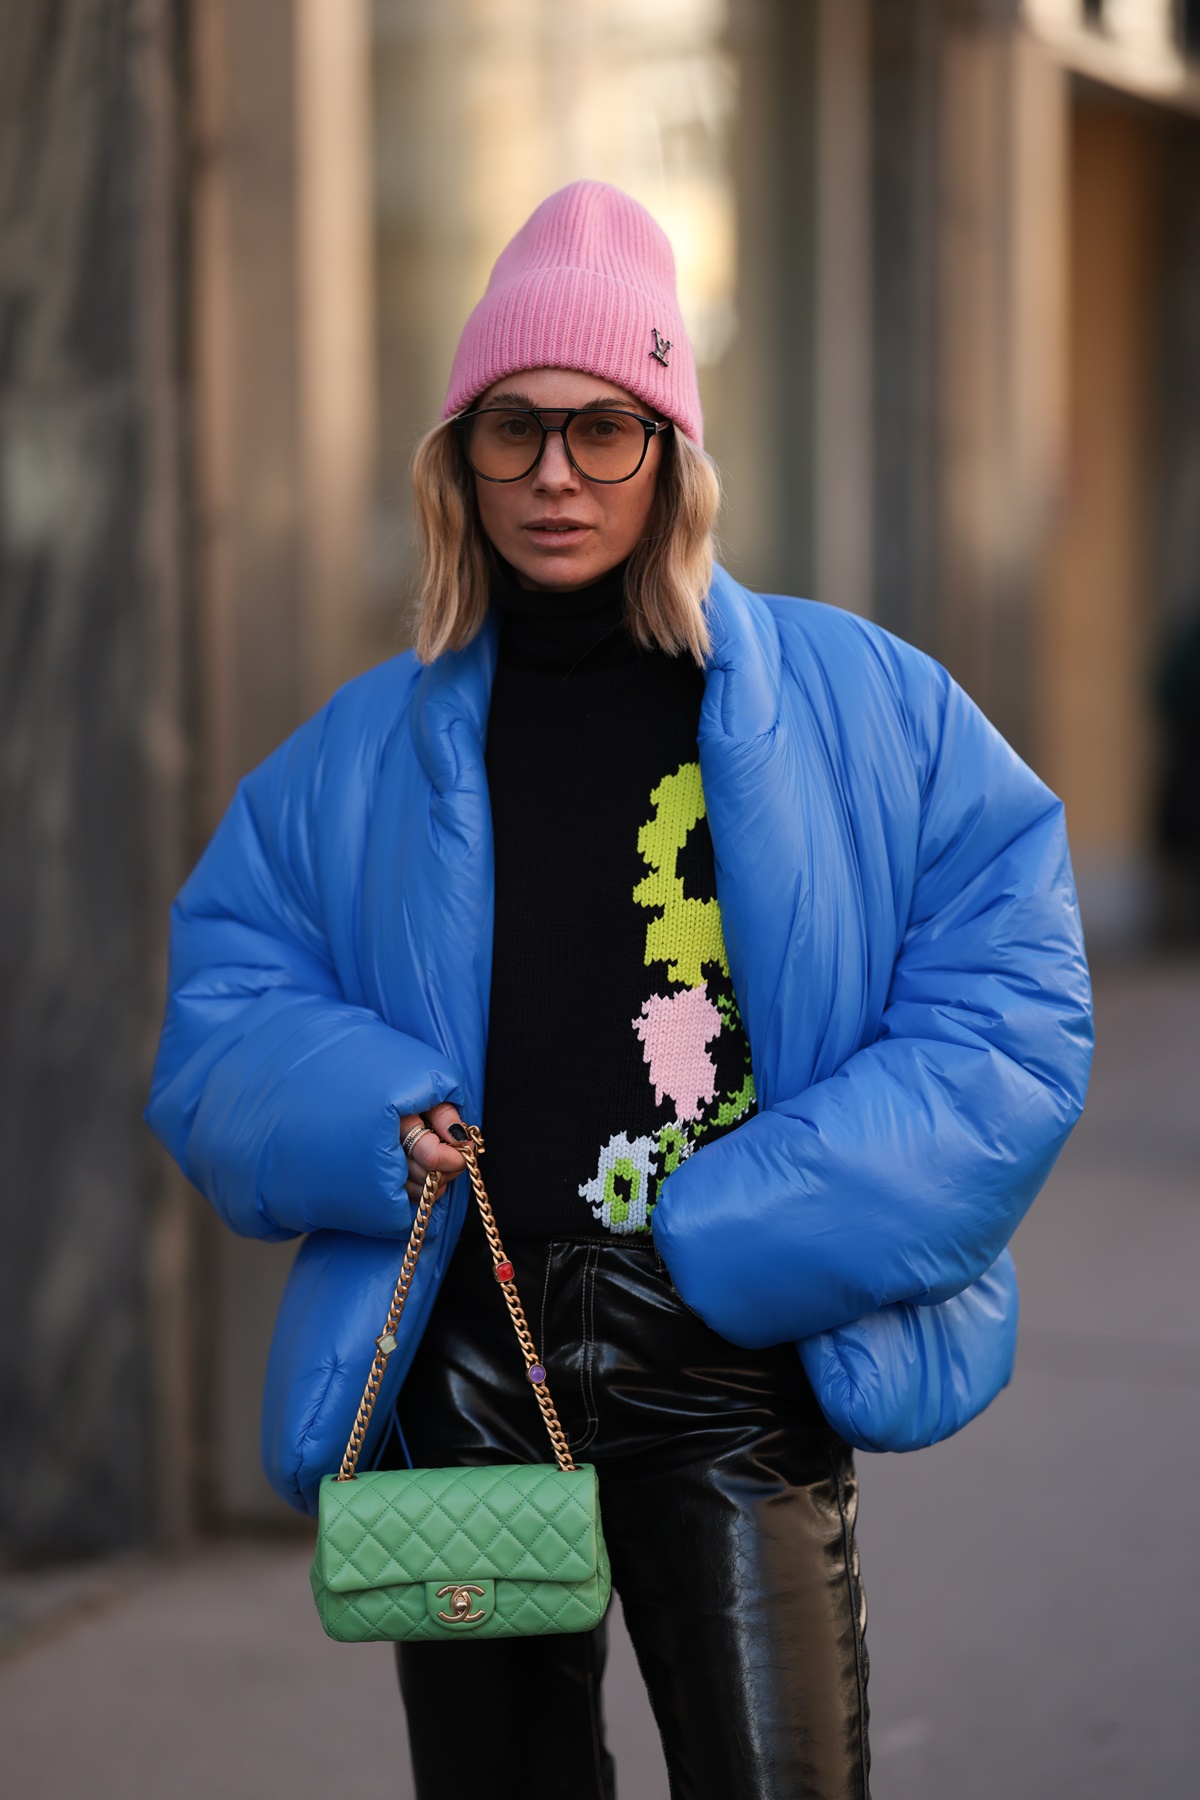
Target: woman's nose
(555, 471)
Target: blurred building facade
(941, 261)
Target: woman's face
(555, 528)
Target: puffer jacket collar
(745, 665)
(450, 708)
(741, 695)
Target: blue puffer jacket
(904, 945)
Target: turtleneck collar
(563, 633)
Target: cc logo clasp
(460, 1603)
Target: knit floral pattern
(679, 1024)
(676, 1030)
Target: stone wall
(91, 769)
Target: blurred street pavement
(1033, 1622)
(1032, 1584)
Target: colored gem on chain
(504, 1271)
(537, 1374)
(386, 1343)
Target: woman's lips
(556, 537)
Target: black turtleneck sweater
(614, 1043)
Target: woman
(760, 950)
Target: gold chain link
(471, 1151)
(366, 1405)
(558, 1437)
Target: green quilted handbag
(426, 1554)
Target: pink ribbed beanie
(587, 283)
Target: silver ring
(410, 1137)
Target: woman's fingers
(433, 1149)
(444, 1118)
(414, 1187)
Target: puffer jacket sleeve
(902, 1176)
(908, 1376)
(278, 1098)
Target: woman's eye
(516, 429)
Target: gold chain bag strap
(501, 1551)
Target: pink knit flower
(674, 1029)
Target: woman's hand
(434, 1149)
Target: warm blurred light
(614, 90)
(522, 96)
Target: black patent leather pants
(728, 1506)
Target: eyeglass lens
(607, 446)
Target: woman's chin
(561, 569)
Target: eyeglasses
(505, 443)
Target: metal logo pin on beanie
(661, 346)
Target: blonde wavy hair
(666, 579)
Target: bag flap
(519, 1522)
